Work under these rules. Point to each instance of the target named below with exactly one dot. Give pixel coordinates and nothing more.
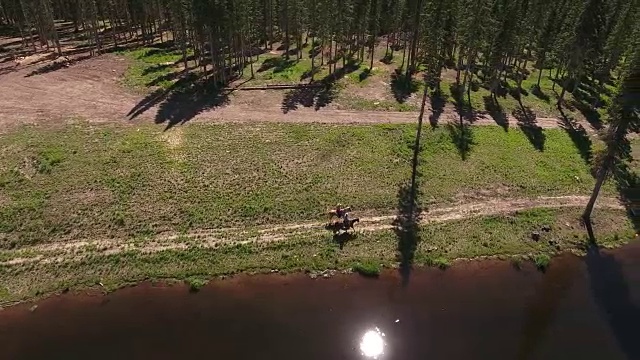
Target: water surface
(579, 309)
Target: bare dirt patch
(89, 89)
(86, 89)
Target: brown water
(580, 309)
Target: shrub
(542, 261)
(368, 269)
(195, 284)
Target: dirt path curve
(70, 250)
(89, 90)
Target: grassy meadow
(130, 186)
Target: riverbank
(108, 205)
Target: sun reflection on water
(372, 344)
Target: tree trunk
(458, 70)
(372, 49)
(404, 51)
(286, 30)
(414, 40)
(600, 178)
(539, 78)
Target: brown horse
(350, 223)
(337, 226)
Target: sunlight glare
(372, 344)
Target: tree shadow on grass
(527, 123)
(496, 112)
(535, 90)
(364, 75)
(461, 132)
(156, 68)
(611, 293)
(628, 186)
(461, 135)
(407, 223)
(278, 64)
(438, 102)
(589, 113)
(166, 77)
(316, 96)
(402, 86)
(309, 73)
(578, 135)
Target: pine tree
(624, 117)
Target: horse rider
(340, 211)
(345, 220)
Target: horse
(350, 223)
(338, 225)
(335, 212)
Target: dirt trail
(89, 90)
(211, 238)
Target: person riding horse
(339, 211)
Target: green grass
(312, 250)
(114, 182)
(542, 261)
(152, 67)
(126, 185)
(195, 283)
(367, 268)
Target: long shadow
(402, 86)
(7, 70)
(156, 68)
(526, 119)
(407, 223)
(611, 293)
(319, 96)
(461, 132)
(496, 112)
(462, 105)
(578, 135)
(628, 186)
(166, 77)
(438, 102)
(462, 137)
(589, 113)
(57, 65)
(540, 94)
(278, 64)
(148, 102)
(189, 98)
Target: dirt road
(35, 90)
(73, 249)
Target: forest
(484, 40)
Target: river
(581, 308)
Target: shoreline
(517, 261)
